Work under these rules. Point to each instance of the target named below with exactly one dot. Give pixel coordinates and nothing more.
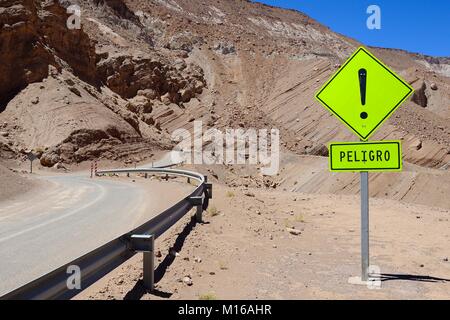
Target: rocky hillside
(137, 70)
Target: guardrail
(101, 261)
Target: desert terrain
(246, 249)
(115, 90)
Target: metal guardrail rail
(104, 259)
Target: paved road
(72, 216)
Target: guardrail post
(146, 175)
(199, 214)
(149, 270)
(208, 195)
(208, 190)
(198, 202)
(146, 244)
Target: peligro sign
(363, 94)
(368, 156)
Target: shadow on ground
(410, 277)
(139, 289)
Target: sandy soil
(16, 184)
(244, 251)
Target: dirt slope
(14, 185)
(159, 64)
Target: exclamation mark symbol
(362, 74)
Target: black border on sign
(366, 143)
(389, 113)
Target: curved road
(75, 215)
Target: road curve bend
(73, 216)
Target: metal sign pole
(364, 225)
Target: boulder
(166, 99)
(319, 150)
(140, 104)
(419, 96)
(75, 91)
(148, 93)
(293, 231)
(225, 48)
(185, 41)
(148, 119)
(416, 144)
(187, 94)
(49, 159)
(187, 281)
(58, 166)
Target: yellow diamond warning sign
(363, 93)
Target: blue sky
(421, 26)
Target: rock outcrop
(34, 35)
(127, 75)
(138, 70)
(420, 96)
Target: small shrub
(230, 194)
(287, 223)
(213, 211)
(300, 218)
(222, 265)
(207, 296)
(39, 150)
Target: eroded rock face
(140, 105)
(142, 67)
(6, 151)
(24, 59)
(36, 46)
(120, 8)
(127, 75)
(81, 145)
(72, 46)
(318, 150)
(49, 159)
(31, 33)
(185, 41)
(420, 96)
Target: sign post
(31, 156)
(365, 157)
(363, 94)
(364, 225)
